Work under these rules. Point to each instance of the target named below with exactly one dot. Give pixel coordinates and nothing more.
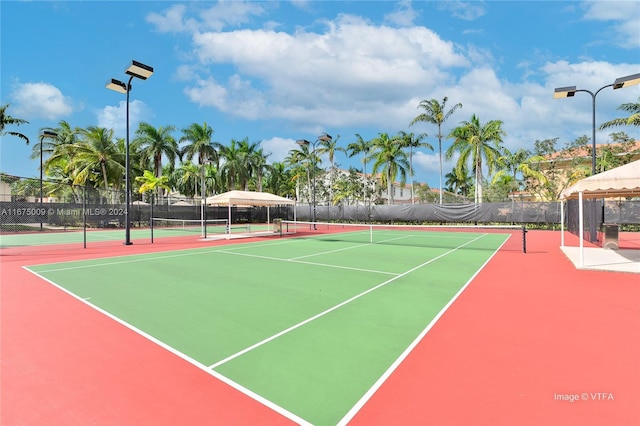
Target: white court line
(209, 370)
(365, 398)
(349, 248)
(293, 260)
(327, 311)
(185, 357)
(329, 251)
(124, 260)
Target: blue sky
(277, 71)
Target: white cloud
(404, 15)
(115, 117)
(230, 13)
(625, 17)
(216, 17)
(172, 21)
(355, 74)
(465, 10)
(353, 70)
(40, 100)
(186, 73)
(278, 148)
(207, 92)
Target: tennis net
(189, 226)
(445, 236)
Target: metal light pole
(203, 199)
(570, 91)
(141, 71)
(304, 142)
(45, 134)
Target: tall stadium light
(303, 142)
(44, 134)
(134, 70)
(570, 91)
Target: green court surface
(67, 237)
(309, 326)
(97, 236)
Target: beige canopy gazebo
(248, 199)
(623, 181)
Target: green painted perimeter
(213, 303)
(52, 237)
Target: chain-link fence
(596, 212)
(78, 207)
(65, 206)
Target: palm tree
(301, 160)
(360, 146)
(632, 120)
(250, 159)
(234, 165)
(212, 182)
(519, 161)
(458, 181)
(260, 167)
(149, 182)
(411, 141)
(473, 141)
(61, 183)
(279, 180)
(96, 157)
(153, 144)
(434, 113)
(61, 151)
(187, 178)
(199, 143)
(390, 159)
(7, 120)
(330, 147)
(348, 187)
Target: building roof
(585, 151)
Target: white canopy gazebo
(248, 199)
(623, 181)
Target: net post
(84, 215)
(524, 239)
(204, 218)
(151, 219)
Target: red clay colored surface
(528, 331)
(64, 363)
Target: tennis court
(528, 331)
(309, 326)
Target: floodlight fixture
(564, 92)
(116, 85)
(325, 137)
(134, 70)
(139, 70)
(630, 80)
